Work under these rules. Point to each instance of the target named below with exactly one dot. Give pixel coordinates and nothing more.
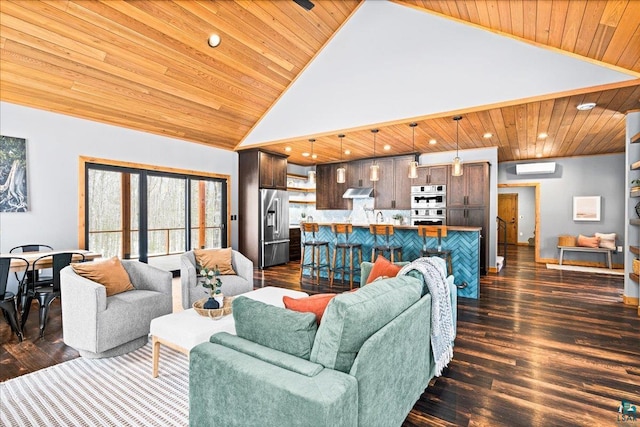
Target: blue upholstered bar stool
(338, 231)
(438, 231)
(309, 240)
(385, 231)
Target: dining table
(31, 257)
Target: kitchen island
(464, 243)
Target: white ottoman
(185, 329)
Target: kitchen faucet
(379, 217)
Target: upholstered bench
(605, 251)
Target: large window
(151, 215)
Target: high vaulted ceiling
(146, 65)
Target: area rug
(610, 271)
(116, 391)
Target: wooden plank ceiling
(146, 65)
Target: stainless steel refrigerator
(274, 230)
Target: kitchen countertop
(399, 227)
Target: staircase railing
(502, 224)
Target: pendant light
(374, 169)
(341, 172)
(413, 166)
(312, 172)
(457, 161)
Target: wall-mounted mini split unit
(535, 168)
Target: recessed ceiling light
(347, 152)
(287, 149)
(314, 156)
(586, 106)
(542, 135)
(487, 135)
(387, 147)
(433, 142)
(214, 40)
(305, 154)
(538, 155)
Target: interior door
(508, 210)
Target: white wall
(54, 144)
(476, 155)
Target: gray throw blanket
(441, 311)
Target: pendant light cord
(457, 119)
(413, 136)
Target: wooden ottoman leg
(155, 357)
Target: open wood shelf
(634, 250)
(301, 189)
(635, 165)
(634, 221)
(635, 138)
(303, 202)
(297, 175)
(635, 193)
(634, 277)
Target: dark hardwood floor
(539, 348)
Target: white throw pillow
(607, 240)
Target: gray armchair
(100, 326)
(231, 285)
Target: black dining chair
(8, 300)
(26, 277)
(46, 290)
(36, 247)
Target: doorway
(508, 211)
(528, 220)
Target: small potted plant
(397, 219)
(211, 280)
(635, 185)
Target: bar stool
(383, 230)
(438, 231)
(316, 246)
(338, 230)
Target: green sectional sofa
(366, 364)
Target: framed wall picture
(13, 174)
(586, 208)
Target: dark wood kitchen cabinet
(393, 191)
(294, 244)
(383, 189)
(273, 170)
(432, 175)
(468, 204)
(358, 174)
(328, 191)
(471, 189)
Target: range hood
(358, 193)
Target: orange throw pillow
(315, 304)
(383, 268)
(210, 258)
(588, 242)
(110, 274)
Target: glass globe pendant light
(374, 169)
(341, 172)
(456, 169)
(413, 166)
(312, 172)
